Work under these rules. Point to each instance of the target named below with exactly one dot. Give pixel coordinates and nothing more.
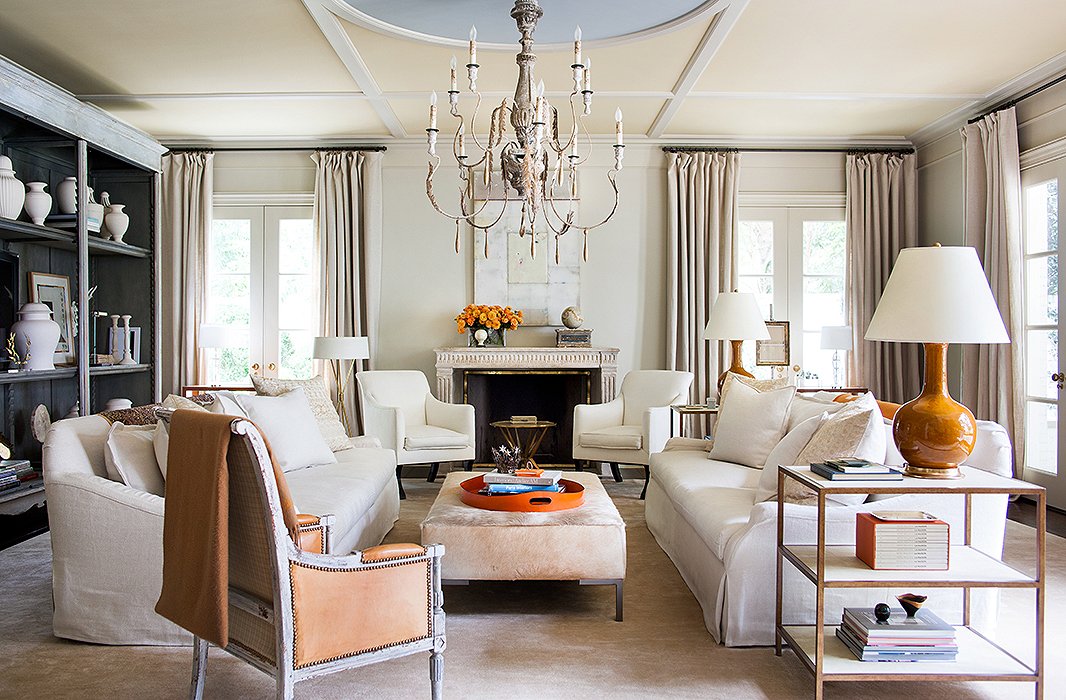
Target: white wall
(425, 284)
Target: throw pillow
(289, 425)
(758, 384)
(750, 423)
(784, 454)
(329, 423)
(173, 401)
(161, 446)
(806, 406)
(852, 433)
(129, 457)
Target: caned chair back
(646, 388)
(404, 389)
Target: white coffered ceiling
(826, 71)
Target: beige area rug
(528, 640)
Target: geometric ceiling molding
(709, 45)
(340, 41)
(606, 22)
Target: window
(794, 260)
(1041, 292)
(260, 291)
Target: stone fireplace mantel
(452, 363)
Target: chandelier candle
(517, 167)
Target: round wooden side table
(532, 431)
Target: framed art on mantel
(511, 275)
(54, 291)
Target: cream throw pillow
(750, 423)
(806, 406)
(289, 425)
(129, 457)
(329, 423)
(758, 384)
(785, 454)
(857, 433)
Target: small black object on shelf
(882, 612)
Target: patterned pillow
(329, 423)
(759, 385)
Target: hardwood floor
(1024, 511)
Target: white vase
(38, 202)
(37, 334)
(116, 221)
(67, 196)
(12, 191)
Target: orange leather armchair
(295, 612)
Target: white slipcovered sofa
(704, 515)
(107, 538)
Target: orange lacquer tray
(532, 502)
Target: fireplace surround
(545, 382)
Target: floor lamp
(936, 295)
(837, 338)
(735, 317)
(337, 350)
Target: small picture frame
(774, 352)
(54, 292)
(115, 343)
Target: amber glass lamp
(735, 317)
(936, 296)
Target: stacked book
(924, 637)
(522, 481)
(902, 540)
(855, 470)
(13, 472)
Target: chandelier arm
(611, 175)
(433, 165)
(473, 131)
(559, 148)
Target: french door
(1045, 446)
(260, 293)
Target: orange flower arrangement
(493, 317)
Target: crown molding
(346, 12)
(1014, 87)
(1040, 155)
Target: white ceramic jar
(12, 191)
(67, 196)
(38, 202)
(116, 221)
(36, 333)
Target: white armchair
(634, 426)
(399, 410)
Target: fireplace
(546, 382)
(547, 394)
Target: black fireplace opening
(547, 394)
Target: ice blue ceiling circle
(600, 20)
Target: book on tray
(902, 540)
(855, 470)
(527, 477)
(924, 637)
(510, 489)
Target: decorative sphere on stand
(572, 317)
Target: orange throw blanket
(195, 592)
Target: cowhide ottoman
(585, 544)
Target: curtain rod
(799, 149)
(237, 149)
(1016, 100)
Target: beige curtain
(701, 259)
(882, 219)
(348, 242)
(187, 181)
(993, 375)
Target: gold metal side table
(836, 566)
(682, 410)
(534, 432)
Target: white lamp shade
(736, 316)
(220, 336)
(836, 337)
(937, 295)
(343, 348)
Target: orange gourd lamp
(735, 317)
(936, 296)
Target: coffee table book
(902, 544)
(836, 566)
